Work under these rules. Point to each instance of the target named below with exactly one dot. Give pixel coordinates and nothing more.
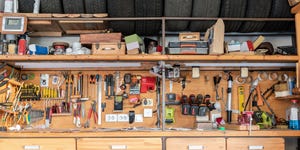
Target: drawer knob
(31, 147)
(255, 147)
(195, 147)
(118, 147)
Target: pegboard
(65, 120)
(203, 85)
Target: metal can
(5, 47)
(8, 6)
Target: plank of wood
(66, 15)
(59, 15)
(39, 22)
(52, 34)
(32, 15)
(241, 127)
(100, 15)
(78, 21)
(84, 31)
(86, 15)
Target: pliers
(93, 111)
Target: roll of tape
(240, 80)
(273, 76)
(283, 77)
(262, 76)
(249, 79)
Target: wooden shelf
(272, 58)
(116, 134)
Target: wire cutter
(92, 111)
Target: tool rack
(66, 137)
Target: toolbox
(117, 48)
(197, 47)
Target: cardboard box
(100, 37)
(117, 48)
(134, 42)
(215, 37)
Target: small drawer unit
(119, 144)
(195, 144)
(255, 144)
(38, 144)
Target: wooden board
(241, 127)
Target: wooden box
(117, 48)
(189, 36)
(100, 37)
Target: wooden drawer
(117, 48)
(195, 143)
(38, 144)
(119, 144)
(255, 144)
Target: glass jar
(12, 47)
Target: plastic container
(5, 47)
(22, 45)
(292, 115)
(291, 84)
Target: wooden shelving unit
(59, 24)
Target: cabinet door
(195, 144)
(255, 144)
(119, 144)
(37, 144)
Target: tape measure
(241, 96)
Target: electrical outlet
(147, 102)
(195, 72)
(139, 118)
(123, 118)
(148, 112)
(234, 111)
(244, 72)
(111, 117)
